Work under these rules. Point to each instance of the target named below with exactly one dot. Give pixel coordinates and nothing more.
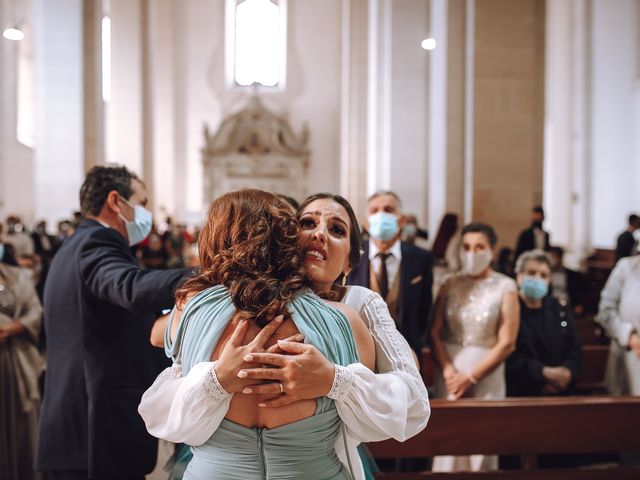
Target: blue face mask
(383, 226)
(534, 288)
(409, 230)
(140, 227)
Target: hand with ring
(230, 362)
(301, 370)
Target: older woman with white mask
(475, 325)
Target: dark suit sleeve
(572, 347)
(523, 369)
(624, 245)
(111, 274)
(520, 245)
(427, 293)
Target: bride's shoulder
(358, 296)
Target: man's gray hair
(381, 193)
(535, 255)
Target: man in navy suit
(533, 237)
(99, 309)
(400, 272)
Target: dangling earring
(344, 278)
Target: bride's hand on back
(230, 362)
(302, 370)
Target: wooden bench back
(525, 427)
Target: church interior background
(483, 108)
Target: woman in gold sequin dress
(475, 326)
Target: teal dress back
(304, 449)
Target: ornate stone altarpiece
(255, 148)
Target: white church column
(93, 104)
(353, 121)
(379, 96)
(438, 114)
(567, 174)
(124, 110)
(397, 102)
(59, 164)
(161, 91)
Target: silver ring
(281, 388)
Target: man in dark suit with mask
(99, 309)
(533, 237)
(400, 272)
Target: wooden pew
(594, 366)
(589, 332)
(526, 427)
(427, 366)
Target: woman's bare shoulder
(361, 334)
(348, 311)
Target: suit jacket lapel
(407, 273)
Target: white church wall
(313, 85)
(16, 160)
(59, 166)
(616, 118)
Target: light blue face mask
(409, 230)
(383, 226)
(139, 228)
(534, 288)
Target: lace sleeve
(393, 353)
(342, 383)
(392, 403)
(212, 386)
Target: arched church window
(256, 42)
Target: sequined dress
(470, 330)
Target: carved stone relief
(255, 147)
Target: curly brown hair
(250, 244)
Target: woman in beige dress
(20, 368)
(475, 326)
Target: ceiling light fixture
(428, 43)
(13, 33)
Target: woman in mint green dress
(252, 272)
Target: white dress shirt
(393, 261)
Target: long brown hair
(250, 244)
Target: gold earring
(344, 279)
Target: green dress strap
(207, 314)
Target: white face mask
(475, 263)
